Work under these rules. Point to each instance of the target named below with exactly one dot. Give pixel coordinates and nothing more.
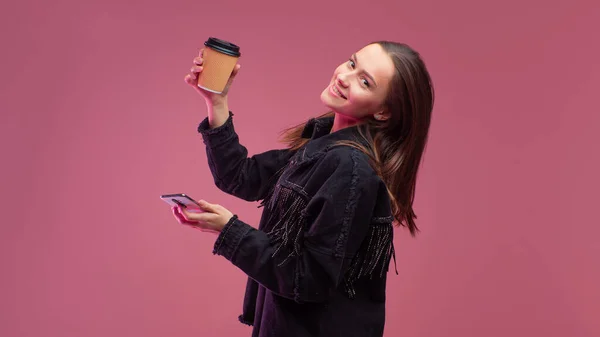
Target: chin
(325, 99)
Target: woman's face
(359, 87)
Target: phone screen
(182, 200)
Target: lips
(337, 91)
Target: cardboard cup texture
(217, 68)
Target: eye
(366, 82)
(351, 63)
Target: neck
(342, 122)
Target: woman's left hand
(211, 218)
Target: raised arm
(232, 170)
(235, 173)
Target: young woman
(317, 263)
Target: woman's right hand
(210, 97)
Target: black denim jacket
(317, 264)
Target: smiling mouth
(337, 91)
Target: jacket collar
(320, 128)
(317, 127)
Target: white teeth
(335, 89)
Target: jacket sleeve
(248, 178)
(318, 257)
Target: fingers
(197, 218)
(192, 77)
(196, 69)
(181, 218)
(213, 219)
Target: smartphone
(181, 199)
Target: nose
(342, 80)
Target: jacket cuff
(215, 136)
(230, 237)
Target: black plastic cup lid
(223, 46)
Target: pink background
(97, 122)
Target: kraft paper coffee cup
(220, 58)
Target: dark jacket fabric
(317, 263)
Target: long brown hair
(396, 145)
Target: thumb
(207, 207)
(235, 71)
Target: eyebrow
(364, 71)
